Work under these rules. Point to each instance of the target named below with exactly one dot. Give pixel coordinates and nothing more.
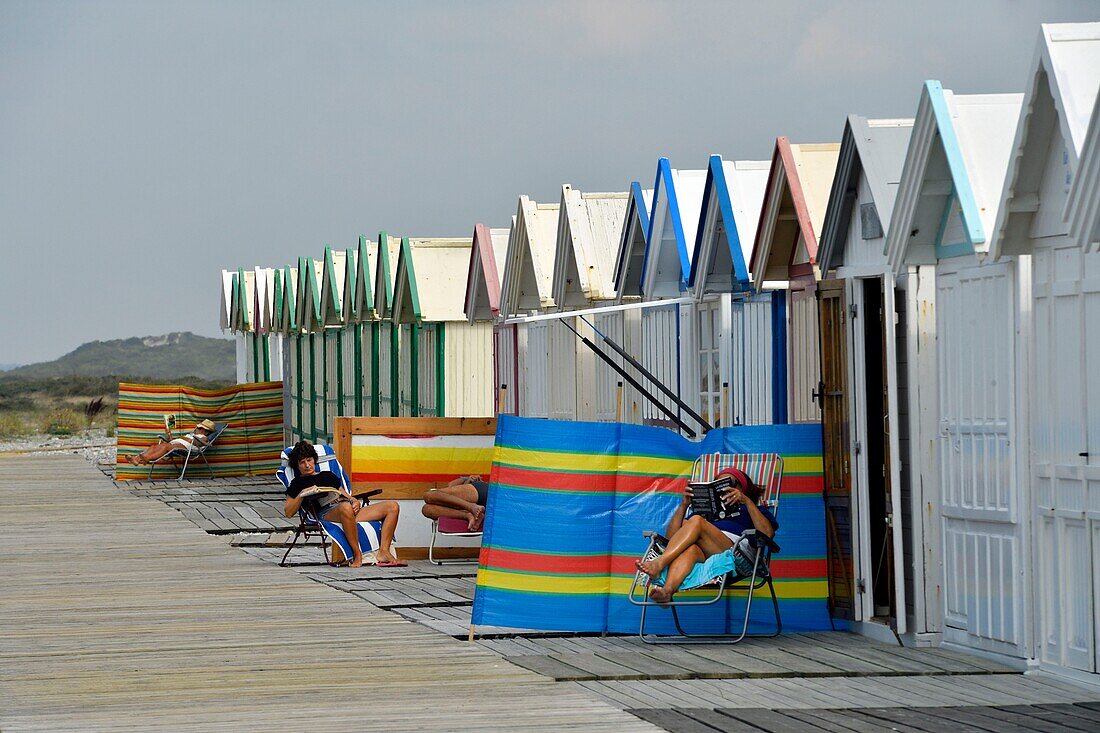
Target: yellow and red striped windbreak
(250, 444)
(418, 461)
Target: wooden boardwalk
(201, 633)
(120, 614)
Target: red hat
(742, 479)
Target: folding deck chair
(192, 451)
(721, 571)
(370, 533)
(449, 527)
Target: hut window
(870, 226)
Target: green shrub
(12, 426)
(62, 422)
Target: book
(706, 498)
(314, 490)
(169, 423)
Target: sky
(144, 147)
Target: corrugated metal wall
(535, 401)
(750, 379)
(350, 370)
(661, 355)
(561, 379)
(405, 370)
(385, 361)
(427, 339)
(333, 385)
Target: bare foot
(384, 556)
(660, 594)
(477, 519)
(650, 568)
(356, 562)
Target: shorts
(482, 492)
(744, 554)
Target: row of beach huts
(927, 288)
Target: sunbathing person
(694, 539)
(338, 506)
(463, 498)
(200, 436)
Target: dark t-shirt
(321, 478)
(741, 521)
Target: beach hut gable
(587, 229)
(1050, 136)
(949, 191)
(872, 155)
(310, 275)
(732, 195)
(289, 306)
(430, 276)
(351, 274)
(673, 220)
(529, 267)
(227, 299)
(632, 244)
(332, 287)
(385, 272)
(365, 264)
(794, 205)
(488, 255)
(1084, 195)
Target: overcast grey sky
(144, 146)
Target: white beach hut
(960, 370)
(446, 361)
(733, 324)
(389, 339)
(526, 288)
(1060, 393)
(863, 404)
(785, 251)
(488, 254)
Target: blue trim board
(779, 358)
(639, 204)
(950, 141)
(664, 176)
(733, 240)
(950, 249)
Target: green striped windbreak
(249, 446)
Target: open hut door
(895, 512)
(877, 508)
(832, 395)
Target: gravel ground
(92, 444)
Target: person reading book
(198, 437)
(328, 500)
(692, 539)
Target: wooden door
(832, 395)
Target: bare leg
(694, 530)
(388, 512)
(346, 517)
(153, 452)
(434, 511)
(462, 497)
(678, 569)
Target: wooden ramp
(118, 613)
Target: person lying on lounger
(693, 539)
(463, 498)
(328, 500)
(198, 437)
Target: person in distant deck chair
(463, 498)
(694, 539)
(338, 506)
(197, 437)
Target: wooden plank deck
(120, 614)
(823, 681)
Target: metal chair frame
(451, 561)
(704, 469)
(200, 452)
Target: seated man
(694, 539)
(463, 498)
(329, 501)
(197, 437)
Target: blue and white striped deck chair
(370, 533)
(749, 561)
